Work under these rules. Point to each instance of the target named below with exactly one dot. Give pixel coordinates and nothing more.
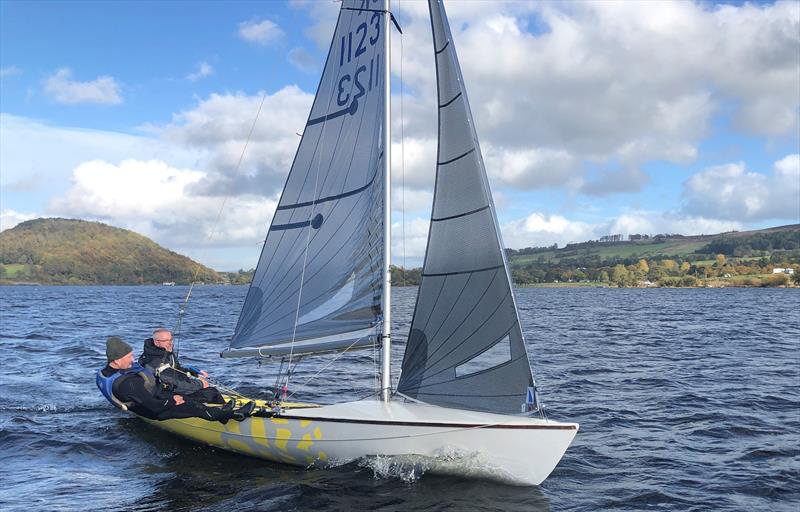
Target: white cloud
(220, 125)
(414, 162)
(540, 230)
(322, 14)
(628, 179)
(261, 32)
(156, 200)
(609, 83)
(412, 201)
(302, 60)
(530, 168)
(413, 245)
(653, 223)
(10, 218)
(39, 158)
(10, 71)
(204, 69)
(732, 192)
(62, 89)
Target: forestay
(317, 286)
(465, 348)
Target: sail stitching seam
(329, 198)
(275, 299)
(456, 158)
(452, 307)
(433, 307)
(451, 101)
(463, 271)
(431, 363)
(485, 370)
(477, 210)
(276, 296)
(285, 275)
(308, 235)
(341, 128)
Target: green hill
(740, 258)
(66, 251)
(745, 258)
(692, 248)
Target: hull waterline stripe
(463, 271)
(461, 214)
(456, 158)
(430, 424)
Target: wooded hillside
(67, 251)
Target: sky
(594, 118)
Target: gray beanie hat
(116, 348)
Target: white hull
(518, 450)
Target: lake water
(688, 399)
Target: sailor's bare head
(162, 338)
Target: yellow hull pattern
(276, 439)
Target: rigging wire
(308, 241)
(324, 367)
(182, 307)
(402, 154)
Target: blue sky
(594, 118)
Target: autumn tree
(669, 265)
(620, 275)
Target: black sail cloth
(465, 348)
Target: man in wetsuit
(158, 355)
(136, 388)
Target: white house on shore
(783, 271)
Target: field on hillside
(647, 249)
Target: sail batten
(465, 347)
(319, 274)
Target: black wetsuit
(178, 379)
(157, 403)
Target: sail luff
(386, 303)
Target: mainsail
(318, 283)
(465, 348)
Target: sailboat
(466, 391)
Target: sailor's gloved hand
(203, 374)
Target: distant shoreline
(708, 284)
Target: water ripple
(687, 399)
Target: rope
(217, 385)
(182, 308)
(340, 354)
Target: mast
(386, 336)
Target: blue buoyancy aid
(106, 384)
